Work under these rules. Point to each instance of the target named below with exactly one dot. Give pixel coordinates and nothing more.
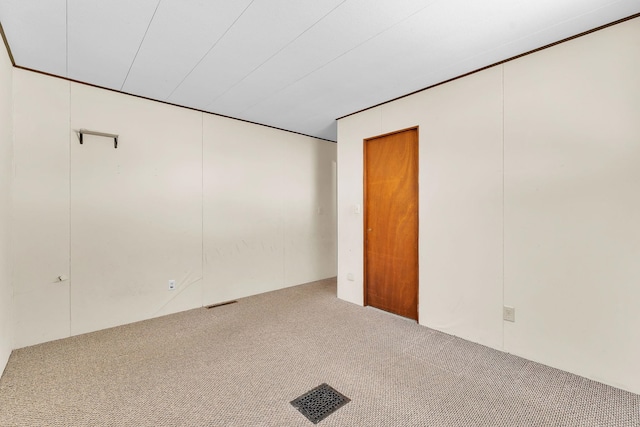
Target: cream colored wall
(572, 204)
(136, 211)
(6, 155)
(123, 222)
(562, 199)
(40, 228)
(269, 209)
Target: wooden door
(391, 222)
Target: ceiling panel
(37, 33)
(266, 27)
(308, 104)
(104, 37)
(181, 33)
(352, 24)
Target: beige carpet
(241, 365)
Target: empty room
(333, 212)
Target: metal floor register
(319, 403)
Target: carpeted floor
(241, 365)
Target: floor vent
(319, 403)
(220, 305)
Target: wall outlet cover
(172, 285)
(509, 313)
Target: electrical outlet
(509, 314)
(172, 285)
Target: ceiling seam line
(210, 49)
(340, 56)
(276, 53)
(140, 45)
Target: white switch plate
(350, 276)
(172, 285)
(509, 314)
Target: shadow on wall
(310, 231)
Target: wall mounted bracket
(82, 132)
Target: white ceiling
(291, 64)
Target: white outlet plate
(172, 285)
(509, 314)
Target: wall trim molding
(20, 67)
(593, 30)
(6, 44)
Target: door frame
(365, 282)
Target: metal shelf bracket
(82, 132)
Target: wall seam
(283, 222)
(69, 177)
(503, 201)
(12, 284)
(202, 303)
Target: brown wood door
(391, 222)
